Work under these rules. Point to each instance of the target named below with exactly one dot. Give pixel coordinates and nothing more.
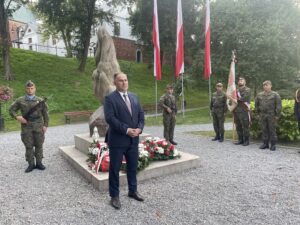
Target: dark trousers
(299, 125)
(242, 122)
(116, 155)
(268, 127)
(169, 121)
(218, 122)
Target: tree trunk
(4, 43)
(67, 43)
(87, 35)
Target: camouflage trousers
(33, 137)
(242, 123)
(218, 122)
(169, 121)
(268, 127)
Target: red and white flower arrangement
(150, 149)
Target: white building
(31, 38)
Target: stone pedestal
(77, 156)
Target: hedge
(287, 127)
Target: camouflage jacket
(244, 98)
(22, 104)
(268, 103)
(218, 102)
(168, 101)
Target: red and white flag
(155, 39)
(207, 62)
(231, 88)
(179, 44)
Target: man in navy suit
(125, 118)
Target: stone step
(100, 181)
(83, 141)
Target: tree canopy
(264, 33)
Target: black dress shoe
(115, 202)
(173, 142)
(136, 196)
(30, 168)
(40, 166)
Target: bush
(287, 127)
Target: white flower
(95, 150)
(175, 152)
(91, 150)
(160, 150)
(156, 138)
(143, 153)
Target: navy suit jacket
(119, 119)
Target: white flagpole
(209, 89)
(156, 99)
(182, 92)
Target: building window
(29, 40)
(30, 47)
(29, 30)
(53, 41)
(116, 28)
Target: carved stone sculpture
(107, 66)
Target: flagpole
(182, 92)
(156, 99)
(209, 89)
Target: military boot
(273, 146)
(30, 167)
(264, 145)
(221, 138)
(240, 141)
(217, 137)
(40, 166)
(246, 141)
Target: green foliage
(265, 35)
(287, 128)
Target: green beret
(29, 84)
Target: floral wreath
(6, 93)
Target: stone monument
(106, 66)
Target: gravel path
(233, 185)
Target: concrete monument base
(77, 156)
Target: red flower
(167, 153)
(156, 149)
(98, 145)
(171, 148)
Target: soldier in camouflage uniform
(34, 122)
(268, 108)
(297, 107)
(218, 108)
(242, 113)
(168, 103)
